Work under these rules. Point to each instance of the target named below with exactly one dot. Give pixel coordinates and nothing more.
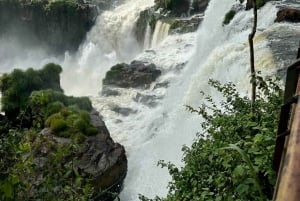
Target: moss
(90, 131)
(58, 125)
(78, 138)
(113, 73)
(228, 17)
(69, 122)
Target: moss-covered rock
(60, 25)
(229, 16)
(179, 25)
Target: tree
(252, 59)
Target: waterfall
(147, 41)
(190, 7)
(154, 134)
(161, 31)
(110, 41)
(159, 125)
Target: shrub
(58, 125)
(212, 169)
(71, 121)
(228, 17)
(18, 85)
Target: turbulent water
(157, 124)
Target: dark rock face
(100, 158)
(136, 75)
(199, 6)
(60, 26)
(141, 26)
(288, 15)
(176, 7)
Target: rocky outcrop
(99, 158)
(59, 25)
(199, 6)
(138, 74)
(288, 15)
(185, 25)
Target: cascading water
(161, 31)
(152, 134)
(110, 41)
(191, 7)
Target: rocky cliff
(58, 25)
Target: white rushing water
(161, 31)
(154, 133)
(159, 125)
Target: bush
(69, 122)
(17, 86)
(214, 166)
(228, 17)
(58, 125)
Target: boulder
(288, 15)
(99, 158)
(138, 74)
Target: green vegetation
(32, 178)
(17, 86)
(232, 156)
(33, 166)
(114, 72)
(228, 17)
(69, 122)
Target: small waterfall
(147, 40)
(110, 41)
(191, 7)
(161, 31)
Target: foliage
(113, 73)
(228, 17)
(232, 155)
(70, 121)
(44, 103)
(17, 86)
(29, 178)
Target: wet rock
(288, 15)
(148, 100)
(185, 25)
(161, 85)
(138, 74)
(106, 91)
(199, 6)
(125, 111)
